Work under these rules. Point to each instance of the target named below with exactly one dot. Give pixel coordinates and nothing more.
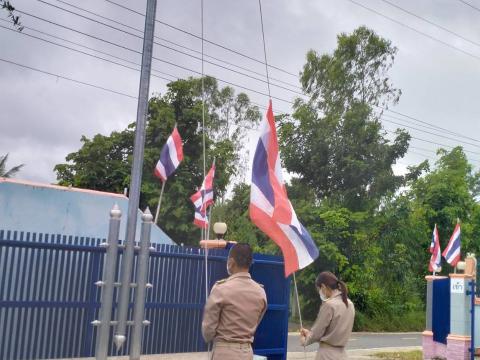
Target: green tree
(3, 168)
(335, 142)
(450, 192)
(104, 162)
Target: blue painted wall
(42, 208)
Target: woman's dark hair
(331, 281)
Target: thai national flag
(203, 198)
(270, 208)
(452, 251)
(170, 156)
(436, 259)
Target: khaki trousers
(232, 351)
(328, 352)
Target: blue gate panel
(441, 310)
(48, 298)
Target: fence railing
(48, 297)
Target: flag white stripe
(172, 151)
(161, 169)
(260, 201)
(454, 237)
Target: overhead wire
(177, 44)
(155, 58)
(431, 22)
(430, 133)
(164, 46)
(206, 40)
(468, 4)
(414, 29)
(176, 65)
(191, 70)
(59, 76)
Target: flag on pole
(452, 251)
(170, 156)
(436, 259)
(203, 198)
(270, 208)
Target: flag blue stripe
(455, 246)
(260, 175)
(307, 241)
(166, 160)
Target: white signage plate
(457, 286)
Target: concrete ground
(357, 354)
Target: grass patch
(410, 355)
(411, 321)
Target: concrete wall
(42, 208)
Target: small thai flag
(200, 218)
(436, 259)
(170, 156)
(452, 251)
(203, 198)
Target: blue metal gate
(48, 298)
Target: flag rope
(204, 231)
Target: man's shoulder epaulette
(219, 282)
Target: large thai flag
(270, 208)
(452, 251)
(170, 156)
(436, 259)
(203, 198)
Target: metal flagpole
(136, 175)
(159, 202)
(299, 311)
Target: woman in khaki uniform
(334, 322)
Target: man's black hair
(242, 254)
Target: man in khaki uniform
(234, 309)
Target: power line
(413, 29)
(85, 53)
(468, 4)
(166, 46)
(177, 44)
(427, 123)
(430, 127)
(100, 58)
(68, 78)
(155, 58)
(83, 46)
(430, 133)
(206, 40)
(434, 143)
(431, 22)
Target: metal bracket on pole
(107, 284)
(140, 292)
(136, 174)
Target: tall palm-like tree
(3, 167)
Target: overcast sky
(42, 117)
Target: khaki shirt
(234, 309)
(334, 322)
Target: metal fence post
(107, 284)
(136, 178)
(140, 292)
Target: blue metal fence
(48, 297)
